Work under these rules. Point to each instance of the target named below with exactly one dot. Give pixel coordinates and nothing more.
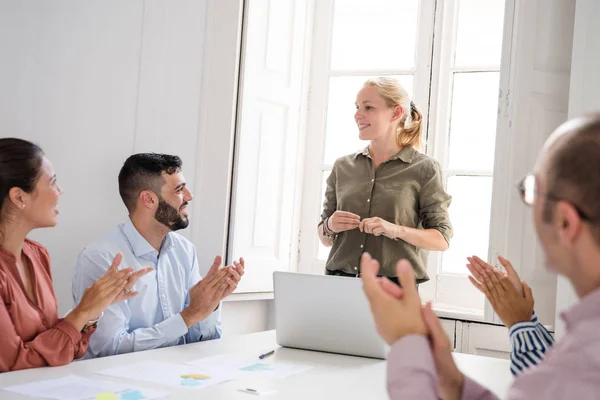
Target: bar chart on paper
(72, 387)
(170, 374)
(247, 366)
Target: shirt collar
(28, 249)
(406, 154)
(139, 245)
(586, 308)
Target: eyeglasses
(527, 190)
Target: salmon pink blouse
(31, 334)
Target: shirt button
(368, 200)
(356, 268)
(361, 246)
(372, 180)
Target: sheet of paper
(73, 387)
(222, 362)
(247, 366)
(276, 370)
(179, 375)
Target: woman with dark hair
(32, 334)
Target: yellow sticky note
(106, 396)
(195, 376)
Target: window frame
(447, 284)
(317, 113)
(433, 78)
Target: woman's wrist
(330, 231)
(78, 318)
(94, 320)
(398, 231)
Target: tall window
(447, 55)
(464, 137)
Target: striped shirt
(530, 341)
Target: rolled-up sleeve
(434, 203)
(330, 203)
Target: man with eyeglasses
(565, 194)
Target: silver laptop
(325, 313)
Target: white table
(333, 376)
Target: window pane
(378, 34)
(473, 121)
(323, 252)
(341, 135)
(470, 215)
(479, 33)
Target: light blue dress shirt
(152, 319)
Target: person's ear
(148, 199)
(397, 114)
(568, 222)
(18, 197)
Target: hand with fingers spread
(511, 299)
(378, 226)
(510, 273)
(207, 293)
(341, 221)
(397, 315)
(104, 292)
(129, 292)
(235, 274)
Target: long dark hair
(20, 164)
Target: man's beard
(170, 217)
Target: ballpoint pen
(266, 354)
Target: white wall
(241, 317)
(93, 82)
(69, 74)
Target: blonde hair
(410, 128)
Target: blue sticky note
(190, 382)
(132, 395)
(257, 368)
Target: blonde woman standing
(387, 199)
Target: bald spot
(570, 162)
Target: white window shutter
(264, 226)
(534, 101)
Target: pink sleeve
(474, 391)
(411, 371)
(56, 346)
(83, 344)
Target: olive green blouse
(405, 190)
